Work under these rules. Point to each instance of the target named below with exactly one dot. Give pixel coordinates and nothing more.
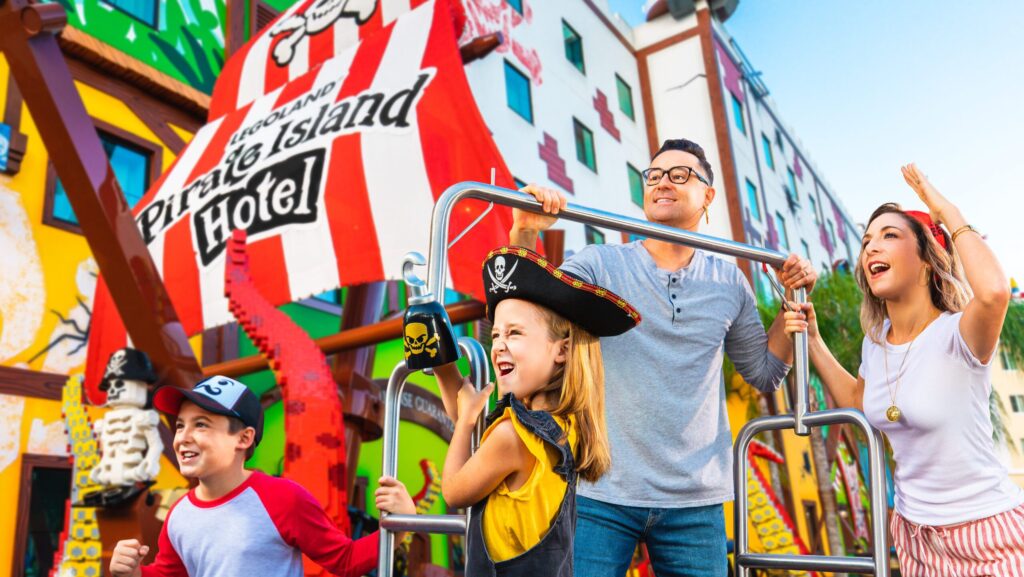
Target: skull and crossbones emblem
(320, 16)
(115, 367)
(500, 277)
(417, 341)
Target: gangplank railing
(800, 420)
(446, 524)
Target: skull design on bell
(417, 340)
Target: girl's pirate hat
(513, 272)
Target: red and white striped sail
(333, 172)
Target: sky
(871, 85)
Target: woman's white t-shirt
(946, 466)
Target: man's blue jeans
(686, 542)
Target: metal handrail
(800, 420)
(448, 524)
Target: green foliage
(1012, 337)
(837, 299)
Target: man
(665, 404)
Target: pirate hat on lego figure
(513, 272)
(129, 365)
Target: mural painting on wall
(182, 38)
(488, 16)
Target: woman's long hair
(580, 388)
(946, 285)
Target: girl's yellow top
(515, 521)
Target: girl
(924, 382)
(549, 427)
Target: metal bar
(478, 368)
(437, 263)
(447, 524)
(808, 562)
(878, 564)
(802, 373)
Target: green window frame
(752, 200)
(592, 235)
(625, 97)
(573, 47)
(769, 157)
(584, 145)
(636, 185)
(780, 223)
(517, 92)
(737, 114)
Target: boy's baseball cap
(217, 394)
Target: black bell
(428, 337)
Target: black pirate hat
(512, 272)
(129, 365)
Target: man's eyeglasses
(677, 174)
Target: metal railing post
(800, 420)
(446, 524)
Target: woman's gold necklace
(893, 413)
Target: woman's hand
(939, 207)
(393, 497)
(472, 402)
(797, 272)
(553, 202)
(801, 320)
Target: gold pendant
(893, 413)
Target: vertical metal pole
(802, 372)
(478, 373)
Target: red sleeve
(167, 562)
(303, 524)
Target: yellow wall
(803, 485)
(45, 269)
(1009, 382)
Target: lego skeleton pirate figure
(129, 440)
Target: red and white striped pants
(993, 546)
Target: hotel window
(135, 162)
(573, 46)
(516, 5)
(752, 200)
(832, 233)
(769, 158)
(625, 97)
(1017, 403)
(814, 208)
(737, 114)
(593, 235)
(518, 182)
(807, 249)
(780, 223)
(792, 185)
(778, 140)
(1009, 365)
(636, 185)
(517, 92)
(584, 144)
(145, 11)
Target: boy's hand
(126, 560)
(392, 496)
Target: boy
(240, 522)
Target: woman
(924, 382)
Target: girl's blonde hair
(580, 387)
(946, 284)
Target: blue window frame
(807, 249)
(752, 200)
(517, 92)
(793, 195)
(584, 145)
(145, 11)
(814, 208)
(132, 170)
(516, 5)
(737, 114)
(769, 157)
(593, 235)
(573, 46)
(636, 185)
(780, 223)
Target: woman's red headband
(925, 219)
